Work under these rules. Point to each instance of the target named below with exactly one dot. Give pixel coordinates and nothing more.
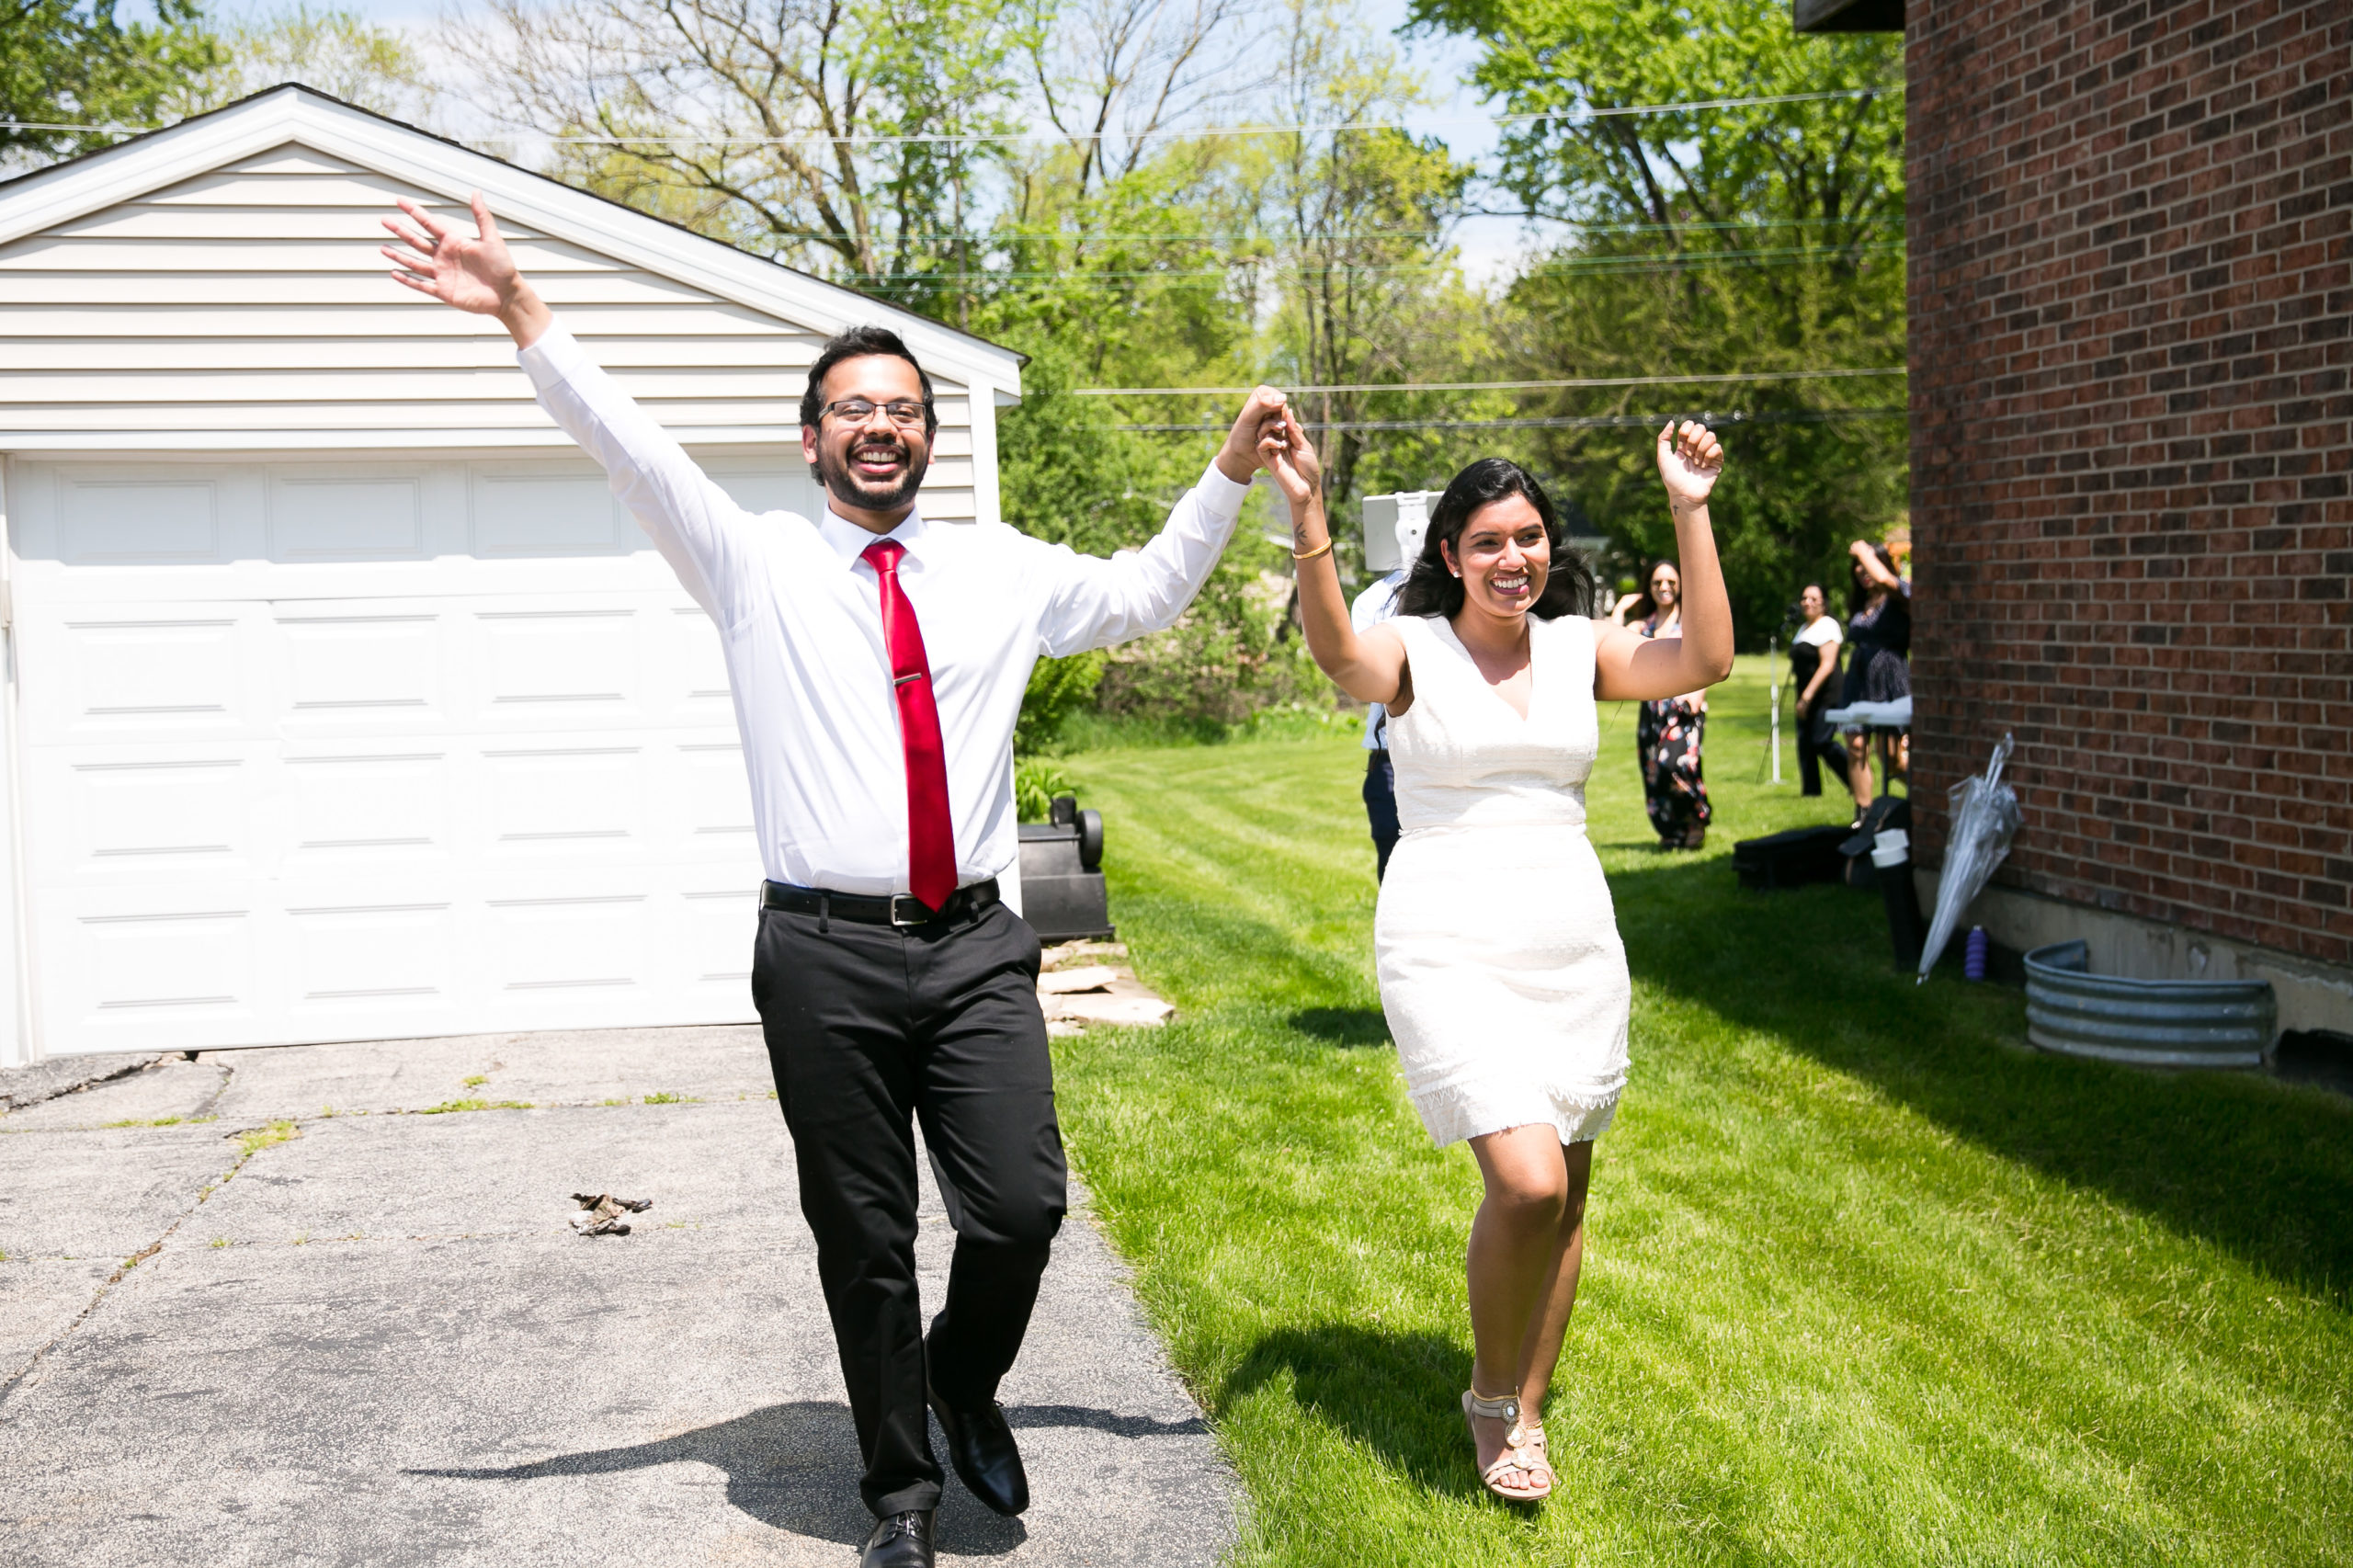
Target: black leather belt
(898, 909)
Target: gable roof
(304, 116)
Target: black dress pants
(871, 1028)
(1819, 743)
(1381, 808)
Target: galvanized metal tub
(2153, 1023)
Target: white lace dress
(1501, 969)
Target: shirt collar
(850, 541)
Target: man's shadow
(794, 1466)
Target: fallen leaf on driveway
(602, 1214)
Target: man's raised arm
(681, 509)
(1097, 602)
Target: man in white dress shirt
(878, 663)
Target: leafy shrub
(1036, 782)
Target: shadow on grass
(1398, 1394)
(1226, 956)
(1342, 1026)
(2262, 1171)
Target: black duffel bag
(1789, 859)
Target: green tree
(828, 133)
(1358, 218)
(338, 52)
(1748, 239)
(71, 63)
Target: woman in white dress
(1501, 970)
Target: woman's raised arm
(1370, 666)
(1630, 667)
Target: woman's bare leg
(1858, 768)
(1515, 1257)
(1547, 1326)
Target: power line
(1593, 422)
(1212, 236)
(1572, 114)
(1775, 256)
(1492, 386)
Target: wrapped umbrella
(1984, 818)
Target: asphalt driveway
(355, 1326)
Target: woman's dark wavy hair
(1431, 589)
(1859, 592)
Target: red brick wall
(2129, 305)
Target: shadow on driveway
(793, 1467)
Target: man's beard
(845, 486)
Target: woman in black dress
(1878, 668)
(1814, 664)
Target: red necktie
(931, 835)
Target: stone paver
(379, 1342)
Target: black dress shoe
(980, 1444)
(902, 1540)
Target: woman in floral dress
(1666, 735)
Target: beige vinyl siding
(248, 309)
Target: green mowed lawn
(1868, 1281)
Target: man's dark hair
(858, 343)
(1431, 589)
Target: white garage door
(315, 751)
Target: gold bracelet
(1323, 549)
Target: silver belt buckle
(923, 914)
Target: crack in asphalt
(32, 1364)
(227, 1072)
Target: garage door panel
(136, 675)
(367, 808)
(152, 814)
(347, 956)
(718, 800)
(717, 927)
(490, 781)
(692, 667)
(587, 942)
(109, 520)
(123, 972)
(564, 667)
(324, 516)
(361, 668)
(542, 511)
(564, 800)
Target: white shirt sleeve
(692, 521)
(1093, 603)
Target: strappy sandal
(1523, 1446)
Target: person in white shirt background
(1813, 660)
(1372, 606)
(878, 663)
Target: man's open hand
(1238, 458)
(476, 275)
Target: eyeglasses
(858, 411)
